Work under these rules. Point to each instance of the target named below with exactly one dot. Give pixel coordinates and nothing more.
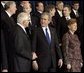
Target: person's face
(24, 3)
(52, 12)
(13, 8)
(44, 20)
(66, 11)
(27, 9)
(73, 27)
(76, 6)
(40, 7)
(60, 6)
(26, 22)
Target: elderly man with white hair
(23, 54)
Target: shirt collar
(71, 32)
(68, 17)
(60, 13)
(8, 13)
(74, 11)
(22, 27)
(40, 12)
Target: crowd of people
(47, 40)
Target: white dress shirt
(44, 30)
(60, 13)
(75, 11)
(40, 12)
(68, 18)
(8, 13)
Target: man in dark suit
(64, 19)
(58, 16)
(75, 9)
(3, 55)
(39, 10)
(19, 5)
(23, 54)
(8, 24)
(45, 44)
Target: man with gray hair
(23, 54)
(7, 25)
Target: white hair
(21, 17)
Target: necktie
(47, 36)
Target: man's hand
(81, 64)
(69, 66)
(34, 56)
(60, 63)
(35, 65)
(4, 70)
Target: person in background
(58, 15)
(51, 10)
(64, 19)
(75, 9)
(32, 22)
(39, 10)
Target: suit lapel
(24, 32)
(43, 35)
(51, 32)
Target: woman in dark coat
(71, 49)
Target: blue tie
(47, 36)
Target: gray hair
(21, 17)
(8, 4)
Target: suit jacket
(58, 24)
(45, 52)
(3, 53)
(7, 25)
(33, 24)
(23, 54)
(73, 14)
(37, 15)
